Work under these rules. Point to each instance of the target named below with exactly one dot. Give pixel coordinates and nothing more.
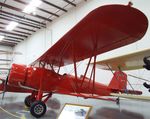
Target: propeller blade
(5, 85)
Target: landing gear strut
(38, 107)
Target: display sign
(75, 111)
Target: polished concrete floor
(128, 109)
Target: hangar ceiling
(29, 22)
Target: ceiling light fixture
(35, 3)
(1, 38)
(11, 26)
(31, 8)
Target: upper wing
(125, 62)
(105, 28)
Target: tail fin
(118, 82)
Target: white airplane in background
(132, 61)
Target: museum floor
(128, 109)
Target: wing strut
(75, 71)
(85, 72)
(94, 70)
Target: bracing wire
(143, 79)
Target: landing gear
(38, 109)
(29, 100)
(118, 101)
(36, 103)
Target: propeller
(5, 85)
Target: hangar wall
(43, 39)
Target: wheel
(38, 109)
(29, 100)
(118, 101)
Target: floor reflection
(54, 103)
(15, 110)
(111, 113)
(128, 109)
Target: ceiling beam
(48, 3)
(3, 28)
(13, 33)
(9, 41)
(7, 44)
(25, 3)
(8, 19)
(8, 36)
(20, 10)
(12, 40)
(4, 64)
(5, 60)
(22, 17)
(20, 20)
(19, 27)
(25, 29)
(71, 3)
(4, 69)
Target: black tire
(38, 109)
(29, 100)
(118, 101)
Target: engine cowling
(17, 74)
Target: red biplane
(104, 29)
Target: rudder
(119, 81)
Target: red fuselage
(27, 79)
(52, 82)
